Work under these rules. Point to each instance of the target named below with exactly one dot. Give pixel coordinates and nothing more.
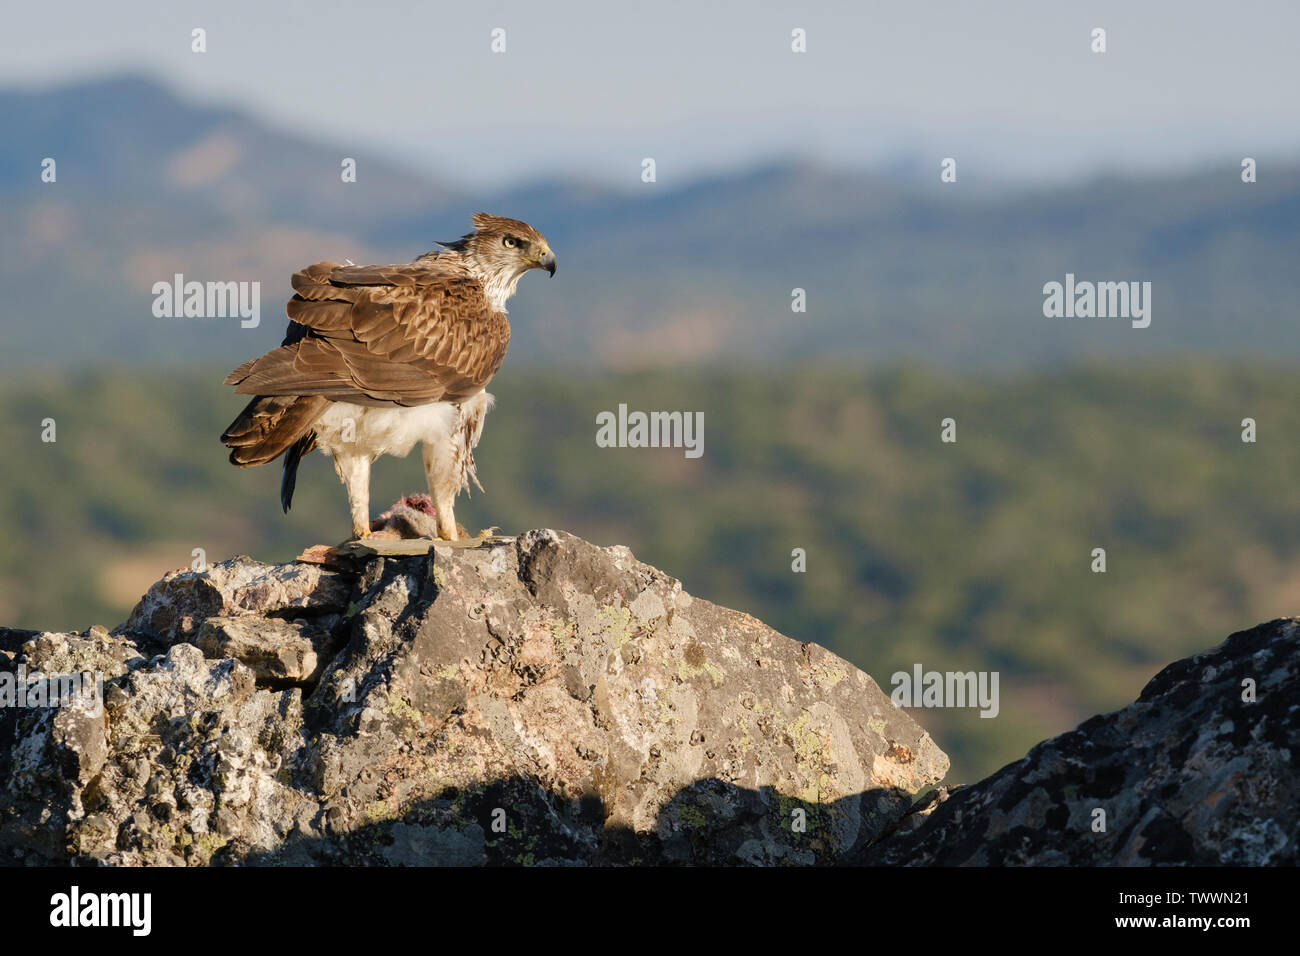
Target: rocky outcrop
(1200, 770)
(540, 700)
(528, 700)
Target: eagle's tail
(270, 425)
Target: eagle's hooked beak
(547, 262)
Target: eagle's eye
(509, 242)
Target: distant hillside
(973, 555)
(894, 266)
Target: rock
(278, 651)
(544, 701)
(174, 608)
(1190, 773)
(537, 700)
(12, 638)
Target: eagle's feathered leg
(449, 463)
(443, 485)
(354, 472)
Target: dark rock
(1191, 773)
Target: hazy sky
(589, 88)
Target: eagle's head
(504, 248)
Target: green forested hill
(973, 555)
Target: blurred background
(775, 170)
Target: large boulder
(530, 700)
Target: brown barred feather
(380, 335)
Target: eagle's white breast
(363, 430)
(448, 431)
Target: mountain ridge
(894, 267)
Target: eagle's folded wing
(380, 335)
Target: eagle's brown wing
(383, 335)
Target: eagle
(378, 358)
